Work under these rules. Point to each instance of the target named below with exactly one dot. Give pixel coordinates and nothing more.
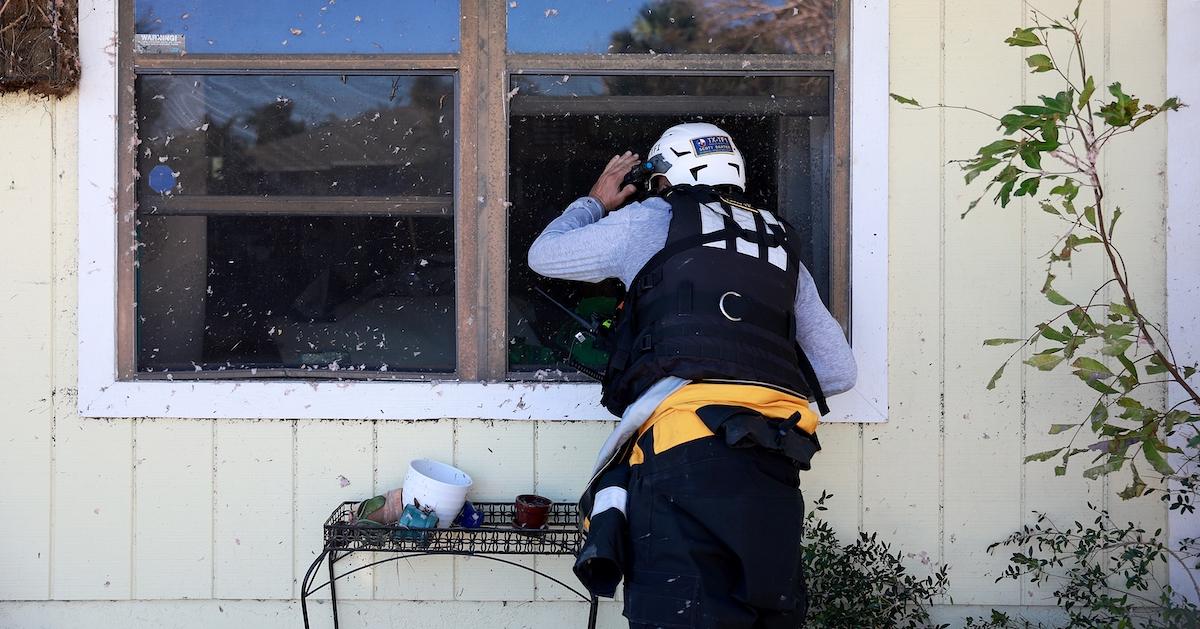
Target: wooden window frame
(482, 69)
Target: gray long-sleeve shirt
(585, 245)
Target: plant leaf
(1058, 428)
(1043, 456)
(996, 377)
(1023, 38)
(1039, 63)
(904, 100)
(1044, 362)
(1155, 458)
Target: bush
(862, 584)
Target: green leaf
(997, 147)
(1044, 362)
(1068, 189)
(1101, 387)
(1029, 187)
(1089, 88)
(1091, 369)
(1054, 335)
(1136, 486)
(1116, 330)
(1039, 63)
(1000, 341)
(1060, 104)
(1034, 110)
(1055, 298)
(1043, 456)
(1155, 458)
(1089, 215)
(1120, 309)
(904, 100)
(1032, 158)
(1012, 122)
(996, 377)
(1023, 38)
(1060, 470)
(1049, 136)
(367, 507)
(1113, 223)
(1098, 416)
(1059, 428)
(1092, 473)
(1116, 347)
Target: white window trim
(1183, 229)
(102, 395)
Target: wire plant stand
(498, 536)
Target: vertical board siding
(252, 504)
(26, 193)
(1136, 168)
(232, 510)
(1054, 397)
(983, 285)
(173, 512)
(334, 461)
(564, 454)
(499, 456)
(901, 458)
(397, 443)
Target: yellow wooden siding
(231, 510)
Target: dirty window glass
(563, 130)
(295, 26)
(671, 26)
(312, 293)
(296, 135)
(299, 223)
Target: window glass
(295, 26)
(315, 293)
(295, 135)
(249, 254)
(564, 129)
(671, 26)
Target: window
(346, 191)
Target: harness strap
(810, 375)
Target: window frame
(110, 388)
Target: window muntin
(563, 130)
(672, 26)
(299, 27)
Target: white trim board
(1183, 231)
(101, 395)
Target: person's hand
(607, 190)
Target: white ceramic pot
(432, 484)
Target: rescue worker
(721, 346)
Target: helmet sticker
(712, 144)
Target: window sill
(379, 400)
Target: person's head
(696, 153)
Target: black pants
(715, 534)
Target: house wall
(116, 522)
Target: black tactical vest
(716, 304)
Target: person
(721, 343)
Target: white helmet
(697, 153)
